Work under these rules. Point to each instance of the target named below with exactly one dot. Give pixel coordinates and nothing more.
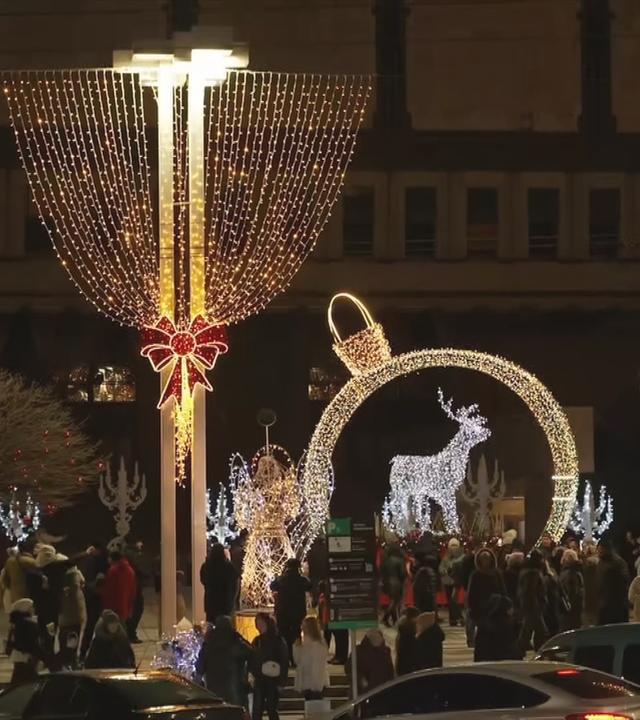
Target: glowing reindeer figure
(417, 479)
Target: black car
(114, 695)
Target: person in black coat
(485, 581)
(613, 586)
(496, 637)
(425, 585)
(220, 580)
(224, 660)
(291, 590)
(511, 575)
(110, 647)
(428, 643)
(406, 641)
(269, 667)
(532, 599)
(23, 641)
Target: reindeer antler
(446, 406)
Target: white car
(501, 691)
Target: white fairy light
(368, 352)
(417, 479)
(589, 520)
(19, 519)
(266, 499)
(220, 521)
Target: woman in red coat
(119, 589)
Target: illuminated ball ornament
(371, 371)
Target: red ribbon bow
(191, 351)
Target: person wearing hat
(110, 646)
(496, 637)
(428, 644)
(23, 645)
(450, 575)
(373, 661)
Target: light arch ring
(540, 401)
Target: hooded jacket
(223, 661)
(482, 585)
(73, 606)
(110, 650)
(428, 644)
(373, 661)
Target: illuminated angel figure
(267, 499)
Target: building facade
(493, 203)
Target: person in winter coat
(634, 598)
(590, 563)
(613, 586)
(291, 602)
(73, 617)
(45, 584)
(571, 595)
(406, 642)
(224, 660)
(485, 581)
(23, 641)
(221, 582)
(393, 572)
(93, 601)
(110, 647)
(450, 574)
(310, 656)
(119, 590)
(552, 591)
(532, 599)
(511, 575)
(13, 578)
(428, 643)
(496, 637)
(425, 585)
(373, 661)
(269, 667)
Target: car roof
(613, 633)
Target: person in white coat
(634, 596)
(310, 655)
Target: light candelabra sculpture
(483, 494)
(220, 520)
(591, 520)
(249, 166)
(418, 480)
(123, 497)
(19, 518)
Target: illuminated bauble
(373, 372)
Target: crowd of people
(64, 611)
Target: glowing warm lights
(417, 479)
(374, 374)
(589, 520)
(249, 166)
(266, 500)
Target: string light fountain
(249, 165)
(368, 357)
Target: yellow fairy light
(371, 370)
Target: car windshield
(146, 692)
(588, 684)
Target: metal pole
(195, 109)
(168, 568)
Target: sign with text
(352, 582)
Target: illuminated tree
(42, 450)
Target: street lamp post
(196, 68)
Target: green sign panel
(339, 527)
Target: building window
(544, 222)
(112, 383)
(104, 384)
(420, 221)
(358, 220)
(482, 221)
(604, 222)
(323, 384)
